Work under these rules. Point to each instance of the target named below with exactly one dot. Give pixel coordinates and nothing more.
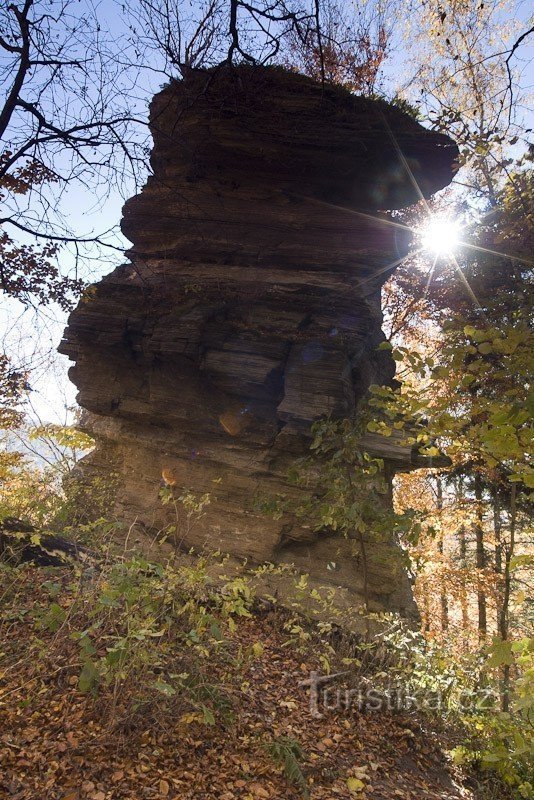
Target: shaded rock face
(250, 307)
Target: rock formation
(250, 306)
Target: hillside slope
(246, 732)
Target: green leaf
(86, 646)
(524, 560)
(209, 719)
(89, 679)
(500, 654)
(164, 688)
(216, 632)
(485, 348)
(54, 618)
(116, 655)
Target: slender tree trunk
(504, 614)
(463, 591)
(480, 561)
(425, 615)
(444, 605)
(497, 532)
(497, 525)
(463, 567)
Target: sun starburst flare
(440, 236)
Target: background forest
(77, 78)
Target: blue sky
(35, 337)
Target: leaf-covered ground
(58, 743)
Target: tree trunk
(444, 604)
(425, 616)
(480, 561)
(463, 591)
(504, 612)
(463, 566)
(497, 532)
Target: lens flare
(440, 236)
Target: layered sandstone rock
(250, 307)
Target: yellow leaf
(355, 785)
(288, 704)
(257, 649)
(193, 716)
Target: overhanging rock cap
(281, 127)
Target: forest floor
(57, 743)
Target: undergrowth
(287, 753)
(156, 645)
(139, 638)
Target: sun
(440, 236)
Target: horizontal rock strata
(250, 307)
